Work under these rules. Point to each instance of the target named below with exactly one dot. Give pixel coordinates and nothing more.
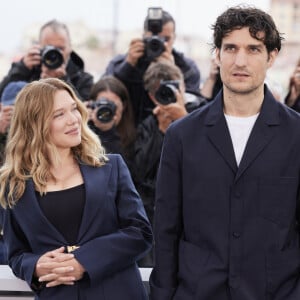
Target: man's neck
(242, 105)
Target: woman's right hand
(53, 266)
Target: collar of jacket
(269, 110)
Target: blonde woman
(74, 225)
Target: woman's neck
(66, 173)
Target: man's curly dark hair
(257, 20)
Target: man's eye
(254, 49)
(230, 48)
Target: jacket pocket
(277, 199)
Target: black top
(64, 209)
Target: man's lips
(240, 74)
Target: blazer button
(236, 234)
(237, 194)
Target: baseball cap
(10, 92)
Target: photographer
(111, 116)
(292, 99)
(52, 57)
(213, 83)
(130, 67)
(165, 85)
(6, 110)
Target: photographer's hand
(166, 55)
(5, 117)
(164, 120)
(177, 109)
(33, 57)
(89, 108)
(208, 86)
(135, 52)
(294, 87)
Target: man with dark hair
(52, 57)
(227, 211)
(130, 67)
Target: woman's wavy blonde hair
(29, 144)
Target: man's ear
(272, 56)
(217, 56)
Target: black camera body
(166, 93)
(106, 109)
(154, 45)
(51, 57)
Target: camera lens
(166, 94)
(52, 58)
(104, 114)
(154, 46)
(106, 109)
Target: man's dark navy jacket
(224, 231)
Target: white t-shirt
(240, 129)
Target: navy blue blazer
(224, 231)
(113, 235)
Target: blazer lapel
(262, 132)
(218, 133)
(32, 216)
(96, 185)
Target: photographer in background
(213, 83)
(292, 99)
(6, 110)
(7, 102)
(164, 83)
(111, 117)
(157, 43)
(52, 57)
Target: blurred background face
(167, 33)
(57, 39)
(117, 101)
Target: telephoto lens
(52, 57)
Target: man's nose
(241, 58)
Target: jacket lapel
(96, 186)
(31, 215)
(261, 135)
(218, 133)
(262, 132)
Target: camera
(106, 109)
(154, 45)
(51, 57)
(165, 94)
